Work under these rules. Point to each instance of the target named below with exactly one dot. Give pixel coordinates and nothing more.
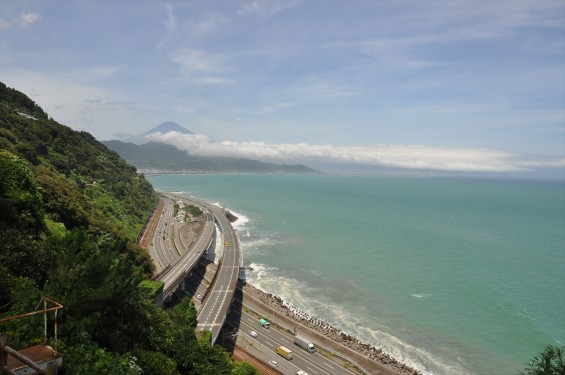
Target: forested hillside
(69, 210)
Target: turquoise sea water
(451, 276)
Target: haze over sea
(450, 276)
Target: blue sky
(442, 85)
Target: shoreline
(351, 348)
(355, 349)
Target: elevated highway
(184, 262)
(214, 309)
(216, 305)
(177, 262)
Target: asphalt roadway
(214, 309)
(160, 248)
(218, 299)
(183, 264)
(263, 348)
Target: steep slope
(162, 157)
(83, 184)
(67, 204)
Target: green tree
(69, 211)
(90, 279)
(89, 359)
(20, 199)
(244, 368)
(550, 362)
(19, 295)
(154, 363)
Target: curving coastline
(369, 357)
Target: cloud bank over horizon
(413, 157)
(486, 83)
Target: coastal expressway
(218, 299)
(160, 248)
(263, 348)
(216, 305)
(186, 259)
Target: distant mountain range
(153, 157)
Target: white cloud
(23, 20)
(27, 19)
(396, 156)
(170, 23)
(200, 67)
(266, 7)
(206, 26)
(198, 61)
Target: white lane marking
(312, 370)
(328, 365)
(269, 342)
(285, 339)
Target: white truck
(304, 344)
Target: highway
(174, 275)
(182, 265)
(217, 301)
(215, 306)
(218, 298)
(263, 348)
(160, 248)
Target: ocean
(448, 275)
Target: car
(199, 297)
(273, 363)
(301, 372)
(253, 334)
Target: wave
(299, 298)
(241, 218)
(241, 221)
(421, 295)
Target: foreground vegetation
(550, 362)
(69, 210)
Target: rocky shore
(332, 333)
(369, 357)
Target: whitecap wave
(241, 218)
(297, 297)
(421, 295)
(257, 243)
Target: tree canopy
(69, 212)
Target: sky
(454, 85)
